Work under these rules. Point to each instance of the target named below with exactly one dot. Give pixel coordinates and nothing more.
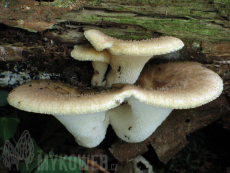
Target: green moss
(62, 3)
(173, 27)
(176, 27)
(93, 2)
(119, 8)
(168, 17)
(131, 37)
(223, 6)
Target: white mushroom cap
(100, 61)
(86, 114)
(88, 53)
(130, 56)
(150, 47)
(99, 40)
(52, 97)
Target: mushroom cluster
(134, 111)
(126, 58)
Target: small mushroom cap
(156, 46)
(87, 53)
(100, 61)
(179, 85)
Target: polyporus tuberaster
(129, 57)
(87, 113)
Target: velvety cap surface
(179, 85)
(52, 97)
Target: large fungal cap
(163, 88)
(51, 97)
(129, 57)
(180, 85)
(81, 112)
(100, 61)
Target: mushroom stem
(135, 121)
(100, 61)
(88, 130)
(119, 72)
(99, 73)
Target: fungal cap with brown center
(180, 85)
(163, 88)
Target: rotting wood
(22, 64)
(200, 20)
(33, 15)
(198, 24)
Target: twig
(97, 166)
